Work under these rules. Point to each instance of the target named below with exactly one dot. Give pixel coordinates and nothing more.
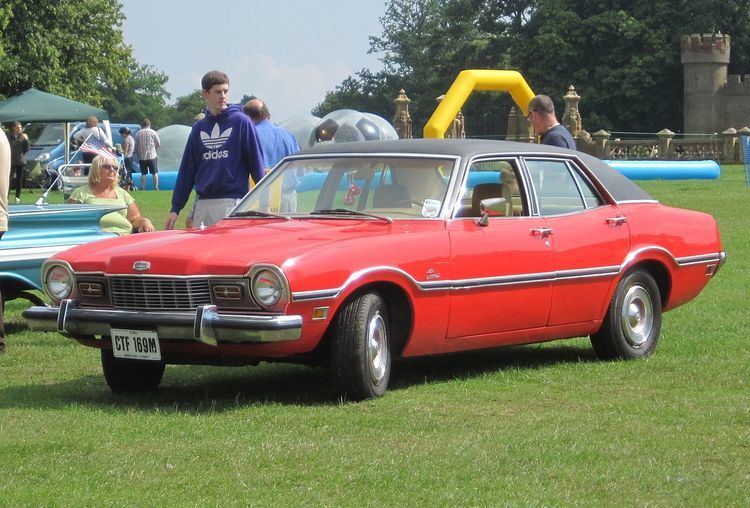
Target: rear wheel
(131, 375)
(360, 353)
(632, 325)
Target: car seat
(391, 196)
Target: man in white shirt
(146, 144)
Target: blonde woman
(103, 189)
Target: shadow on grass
(202, 389)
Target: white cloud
(289, 90)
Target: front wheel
(131, 375)
(360, 353)
(632, 324)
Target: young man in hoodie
(221, 155)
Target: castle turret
(705, 60)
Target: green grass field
(532, 426)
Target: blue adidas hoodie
(221, 153)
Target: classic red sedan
(348, 255)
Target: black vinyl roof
(621, 188)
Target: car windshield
(353, 187)
(45, 133)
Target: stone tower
(705, 60)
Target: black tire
(131, 375)
(632, 324)
(360, 350)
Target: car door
(590, 238)
(501, 271)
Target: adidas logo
(216, 138)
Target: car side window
(491, 179)
(555, 186)
(590, 196)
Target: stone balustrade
(662, 145)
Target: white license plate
(135, 344)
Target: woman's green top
(115, 222)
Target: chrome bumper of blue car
(204, 324)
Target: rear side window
(559, 188)
(591, 198)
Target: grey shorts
(208, 212)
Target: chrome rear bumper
(204, 325)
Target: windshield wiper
(256, 213)
(345, 211)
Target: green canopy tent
(36, 106)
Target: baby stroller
(126, 179)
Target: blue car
(38, 232)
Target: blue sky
(287, 52)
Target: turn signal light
(91, 289)
(225, 292)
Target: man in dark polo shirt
(542, 118)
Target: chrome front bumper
(204, 325)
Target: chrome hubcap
(377, 348)
(637, 316)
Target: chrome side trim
(701, 259)
(301, 296)
(461, 284)
(584, 273)
(501, 281)
(33, 252)
(506, 280)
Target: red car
(348, 255)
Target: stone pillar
(511, 130)
(665, 144)
(456, 130)
(729, 139)
(601, 144)
(572, 117)
(402, 119)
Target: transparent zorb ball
(173, 139)
(344, 125)
(301, 127)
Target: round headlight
(42, 157)
(58, 282)
(267, 288)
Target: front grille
(159, 293)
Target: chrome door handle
(616, 221)
(542, 232)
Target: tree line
(77, 49)
(622, 56)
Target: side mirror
(491, 207)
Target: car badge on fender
(141, 266)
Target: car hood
(230, 247)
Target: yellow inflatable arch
(466, 82)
